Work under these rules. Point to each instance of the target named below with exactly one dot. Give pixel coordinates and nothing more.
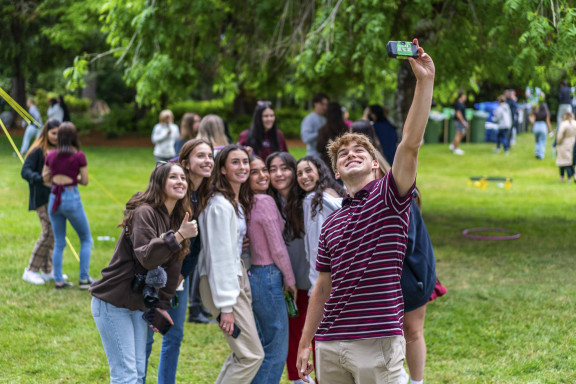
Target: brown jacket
(115, 286)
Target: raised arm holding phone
(361, 249)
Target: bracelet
(178, 232)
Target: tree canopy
(176, 49)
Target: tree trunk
(89, 92)
(244, 103)
(18, 80)
(404, 94)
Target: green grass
(508, 316)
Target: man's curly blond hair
(345, 139)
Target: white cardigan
(164, 142)
(219, 258)
(313, 227)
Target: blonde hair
(212, 130)
(567, 116)
(345, 139)
(166, 117)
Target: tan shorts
(367, 361)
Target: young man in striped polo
(356, 307)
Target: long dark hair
(42, 140)
(155, 196)
(67, 139)
(292, 211)
(334, 127)
(219, 183)
(325, 181)
(185, 152)
(66, 116)
(257, 132)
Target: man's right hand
(303, 364)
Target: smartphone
(235, 332)
(401, 49)
(157, 320)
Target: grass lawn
(508, 316)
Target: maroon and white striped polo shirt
(363, 245)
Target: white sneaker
(451, 147)
(458, 151)
(300, 381)
(404, 377)
(50, 276)
(497, 150)
(32, 277)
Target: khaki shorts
(366, 361)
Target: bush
(120, 120)
(202, 107)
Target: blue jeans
(30, 135)
(540, 131)
(123, 334)
(172, 339)
(70, 209)
(271, 317)
(503, 138)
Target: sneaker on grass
(32, 277)
(85, 284)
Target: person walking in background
(32, 130)
(41, 259)
(285, 190)
(385, 132)
(212, 129)
(460, 123)
(224, 283)
(263, 137)
(540, 119)
(503, 117)
(164, 135)
(323, 195)
(564, 101)
(156, 229)
(61, 169)
(55, 110)
(188, 130)
(270, 275)
(313, 122)
(512, 101)
(566, 140)
(360, 255)
(197, 161)
(334, 127)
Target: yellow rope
(21, 111)
(3, 94)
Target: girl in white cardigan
(323, 196)
(224, 284)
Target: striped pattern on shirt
(363, 245)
